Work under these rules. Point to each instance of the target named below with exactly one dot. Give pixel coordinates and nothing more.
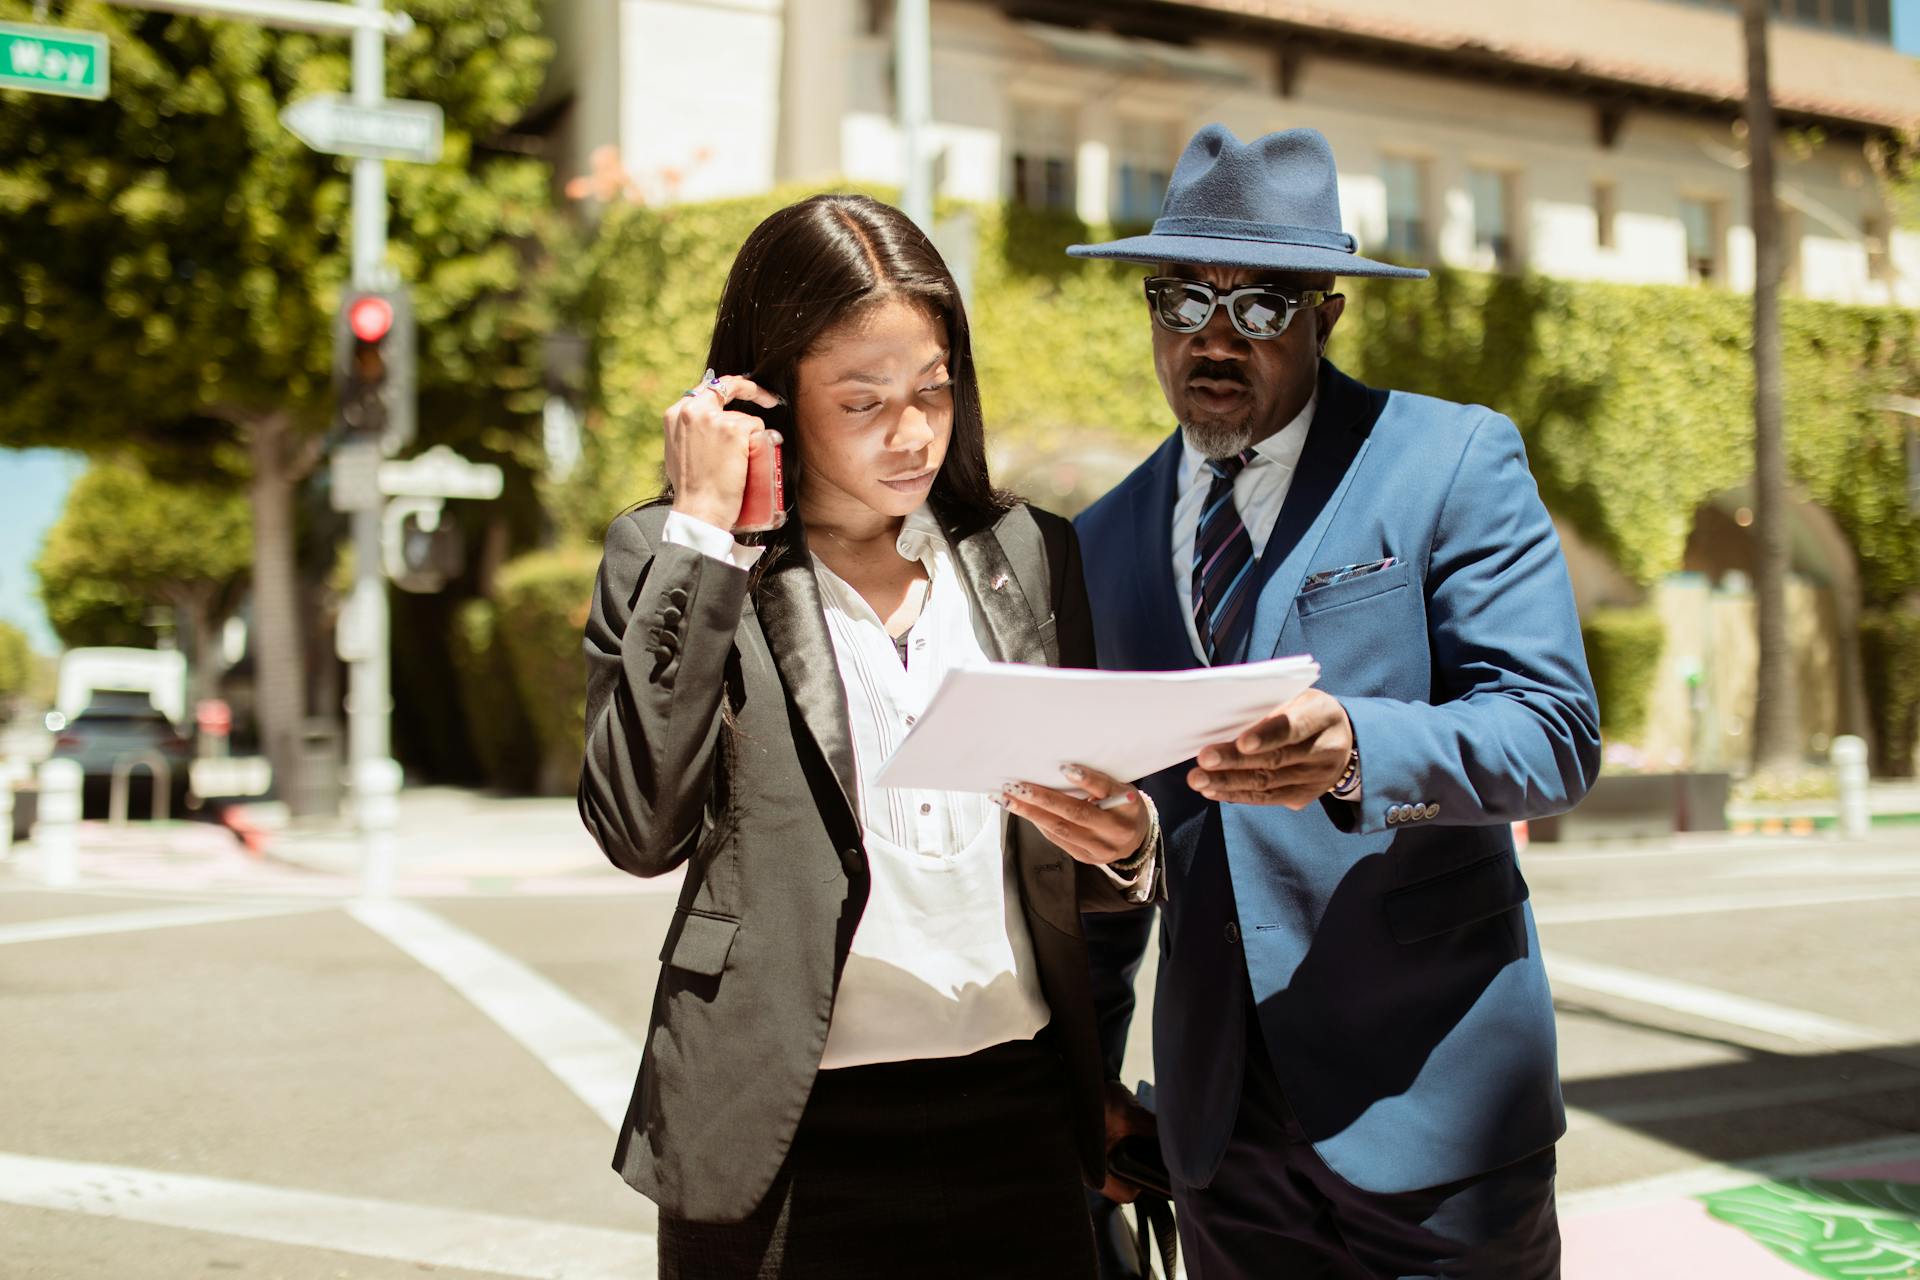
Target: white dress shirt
(941, 964)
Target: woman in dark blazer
(872, 1050)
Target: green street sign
(49, 60)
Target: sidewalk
(447, 841)
(446, 834)
(1892, 802)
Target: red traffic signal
(370, 318)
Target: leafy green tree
(176, 257)
(16, 664)
(128, 541)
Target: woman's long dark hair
(817, 263)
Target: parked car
(119, 726)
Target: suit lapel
(795, 625)
(1004, 597)
(1340, 429)
(1164, 639)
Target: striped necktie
(1222, 565)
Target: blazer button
(677, 597)
(1233, 933)
(1395, 814)
(1433, 811)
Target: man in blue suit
(1353, 1037)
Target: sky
(33, 488)
(1906, 26)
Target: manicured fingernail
(1000, 800)
(1018, 789)
(777, 437)
(1074, 771)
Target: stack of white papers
(1007, 722)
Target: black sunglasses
(1258, 311)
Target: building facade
(1586, 139)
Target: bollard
(1849, 756)
(56, 828)
(376, 810)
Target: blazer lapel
(1340, 430)
(1004, 598)
(1164, 631)
(795, 625)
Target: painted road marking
(418, 1234)
(132, 921)
(1719, 1006)
(1713, 904)
(591, 1056)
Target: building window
(1877, 233)
(1493, 218)
(1044, 140)
(1702, 220)
(1147, 150)
(1605, 206)
(1406, 183)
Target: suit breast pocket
(1335, 595)
(1369, 634)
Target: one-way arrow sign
(393, 129)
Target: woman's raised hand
(708, 444)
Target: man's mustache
(1217, 370)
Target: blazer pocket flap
(699, 943)
(1367, 585)
(1456, 899)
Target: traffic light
(373, 368)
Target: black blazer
(760, 811)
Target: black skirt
(935, 1168)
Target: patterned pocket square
(1328, 577)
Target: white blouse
(941, 964)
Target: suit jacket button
(1233, 933)
(1433, 811)
(677, 597)
(1395, 814)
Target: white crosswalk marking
(1719, 1006)
(419, 1234)
(591, 1056)
(132, 921)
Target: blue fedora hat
(1273, 203)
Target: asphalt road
(214, 1072)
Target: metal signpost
(72, 64)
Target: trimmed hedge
(502, 737)
(1635, 401)
(542, 602)
(1623, 653)
(1890, 654)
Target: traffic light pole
(374, 774)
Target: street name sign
(392, 129)
(440, 473)
(72, 64)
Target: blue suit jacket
(1394, 962)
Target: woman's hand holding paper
(1082, 825)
